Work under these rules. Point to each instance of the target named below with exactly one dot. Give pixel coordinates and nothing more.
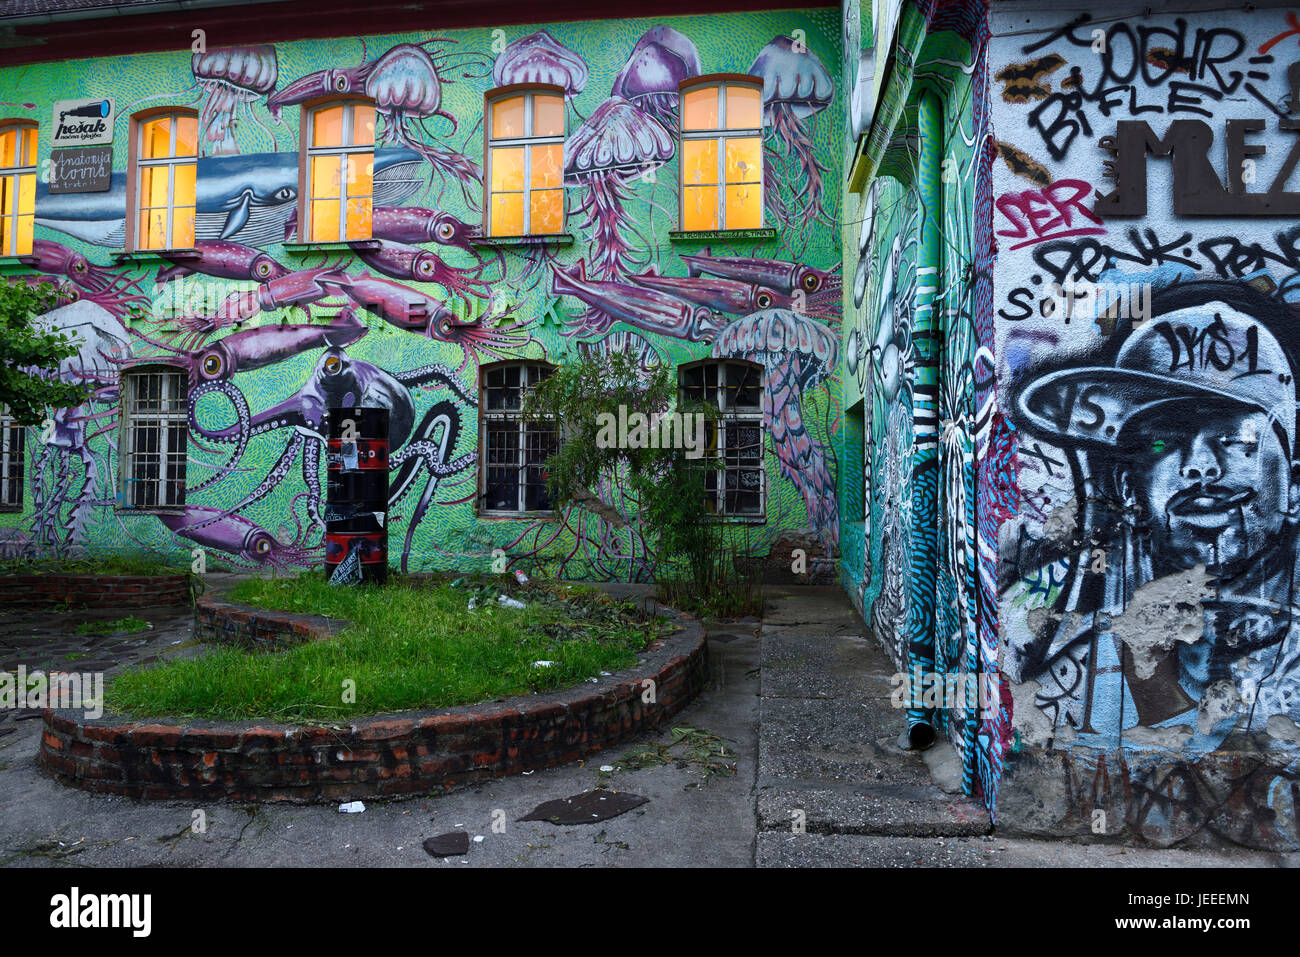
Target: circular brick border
(257, 629)
(405, 753)
(94, 591)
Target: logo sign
(83, 122)
(86, 169)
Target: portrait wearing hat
(1184, 432)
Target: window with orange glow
(340, 172)
(526, 165)
(722, 156)
(17, 188)
(166, 162)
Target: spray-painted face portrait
(1212, 487)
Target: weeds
(691, 747)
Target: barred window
(736, 388)
(11, 462)
(513, 451)
(155, 425)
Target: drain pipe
(926, 345)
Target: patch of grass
(129, 623)
(411, 644)
(112, 563)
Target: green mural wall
(337, 315)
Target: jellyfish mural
(797, 354)
(537, 58)
(405, 84)
(795, 86)
(617, 143)
(661, 59)
(231, 78)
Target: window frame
(720, 82)
(527, 141)
(135, 172)
(127, 465)
(12, 461)
(306, 131)
(733, 417)
(16, 173)
(487, 416)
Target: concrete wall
(1149, 628)
(255, 470)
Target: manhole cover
(587, 808)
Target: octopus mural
(266, 333)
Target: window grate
(156, 421)
(12, 441)
(514, 449)
(738, 489)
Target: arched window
(722, 152)
(512, 450)
(155, 426)
(735, 388)
(163, 164)
(17, 186)
(338, 187)
(525, 159)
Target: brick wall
(257, 629)
(94, 591)
(414, 752)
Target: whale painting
(248, 199)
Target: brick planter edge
(385, 755)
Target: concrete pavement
(800, 700)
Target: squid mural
(266, 333)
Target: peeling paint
(1163, 611)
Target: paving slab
(883, 809)
(801, 665)
(778, 849)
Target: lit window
(513, 451)
(736, 389)
(340, 172)
(526, 165)
(17, 188)
(11, 462)
(722, 156)
(166, 159)
(155, 425)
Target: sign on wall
(83, 122)
(85, 169)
